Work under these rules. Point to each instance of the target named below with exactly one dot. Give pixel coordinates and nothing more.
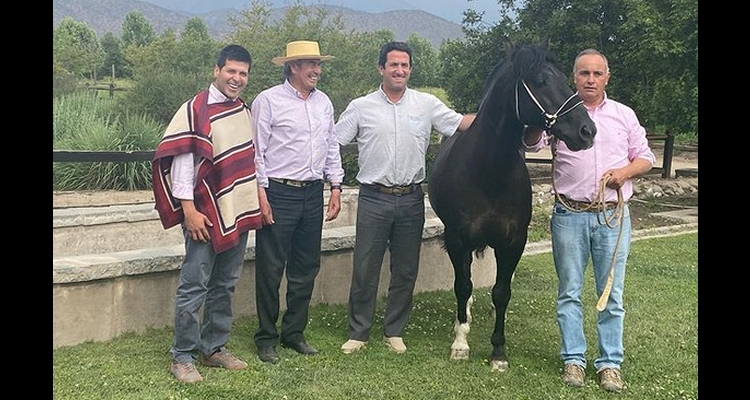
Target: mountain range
(108, 15)
(451, 10)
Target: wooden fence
(135, 156)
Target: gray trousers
(393, 222)
(207, 279)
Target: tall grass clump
(82, 121)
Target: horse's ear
(545, 43)
(508, 43)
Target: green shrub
(84, 122)
(76, 112)
(159, 95)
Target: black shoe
(300, 347)
(268, 354)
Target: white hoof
(500, 366)
(460, 354)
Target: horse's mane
(520, 62)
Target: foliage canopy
(652, 47)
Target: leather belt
(292, 182)
(399, 190)
(587, 206)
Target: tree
(466, 63)
(114, 59)
(63, 82)
(166, 73)
(76, 49)
(651, 46)
(196, 30)
(573, 26)
(353, 71)
(136, 31)
(425, 64)
(659, 74)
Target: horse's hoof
(499, 365)
(459, 354)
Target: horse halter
(549, 119)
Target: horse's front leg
(462, 288)
(501, 293)
(460, 346)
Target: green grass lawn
(661, 347)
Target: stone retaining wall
(115, 270)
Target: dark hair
(233, 52)
(287, 70)
(389, 47)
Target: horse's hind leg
(462, 288)
(507, 260)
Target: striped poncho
(226, 190)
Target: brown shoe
(573, 375)
(222, 359)
(185, 372)
(610, 379)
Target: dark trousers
(385, 221)
(291, 245)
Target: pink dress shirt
(619, 140)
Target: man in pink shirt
(297, 151)
(593, 187)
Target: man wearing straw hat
(296, 151)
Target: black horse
(479, 185)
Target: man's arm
(466, 122)
(532, 136)
(618, 176)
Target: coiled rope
(613, 220)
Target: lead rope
(617, 216)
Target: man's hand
(196, 223)
(334, 205)
(265, 207)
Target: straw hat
(301, 50)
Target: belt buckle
(400, 189)
(596, 206)
(288, 182)
(395, 190)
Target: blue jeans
(576, 236)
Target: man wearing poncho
(204, 178)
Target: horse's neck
(501, 128)
(497, 115)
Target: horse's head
(544, 99)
